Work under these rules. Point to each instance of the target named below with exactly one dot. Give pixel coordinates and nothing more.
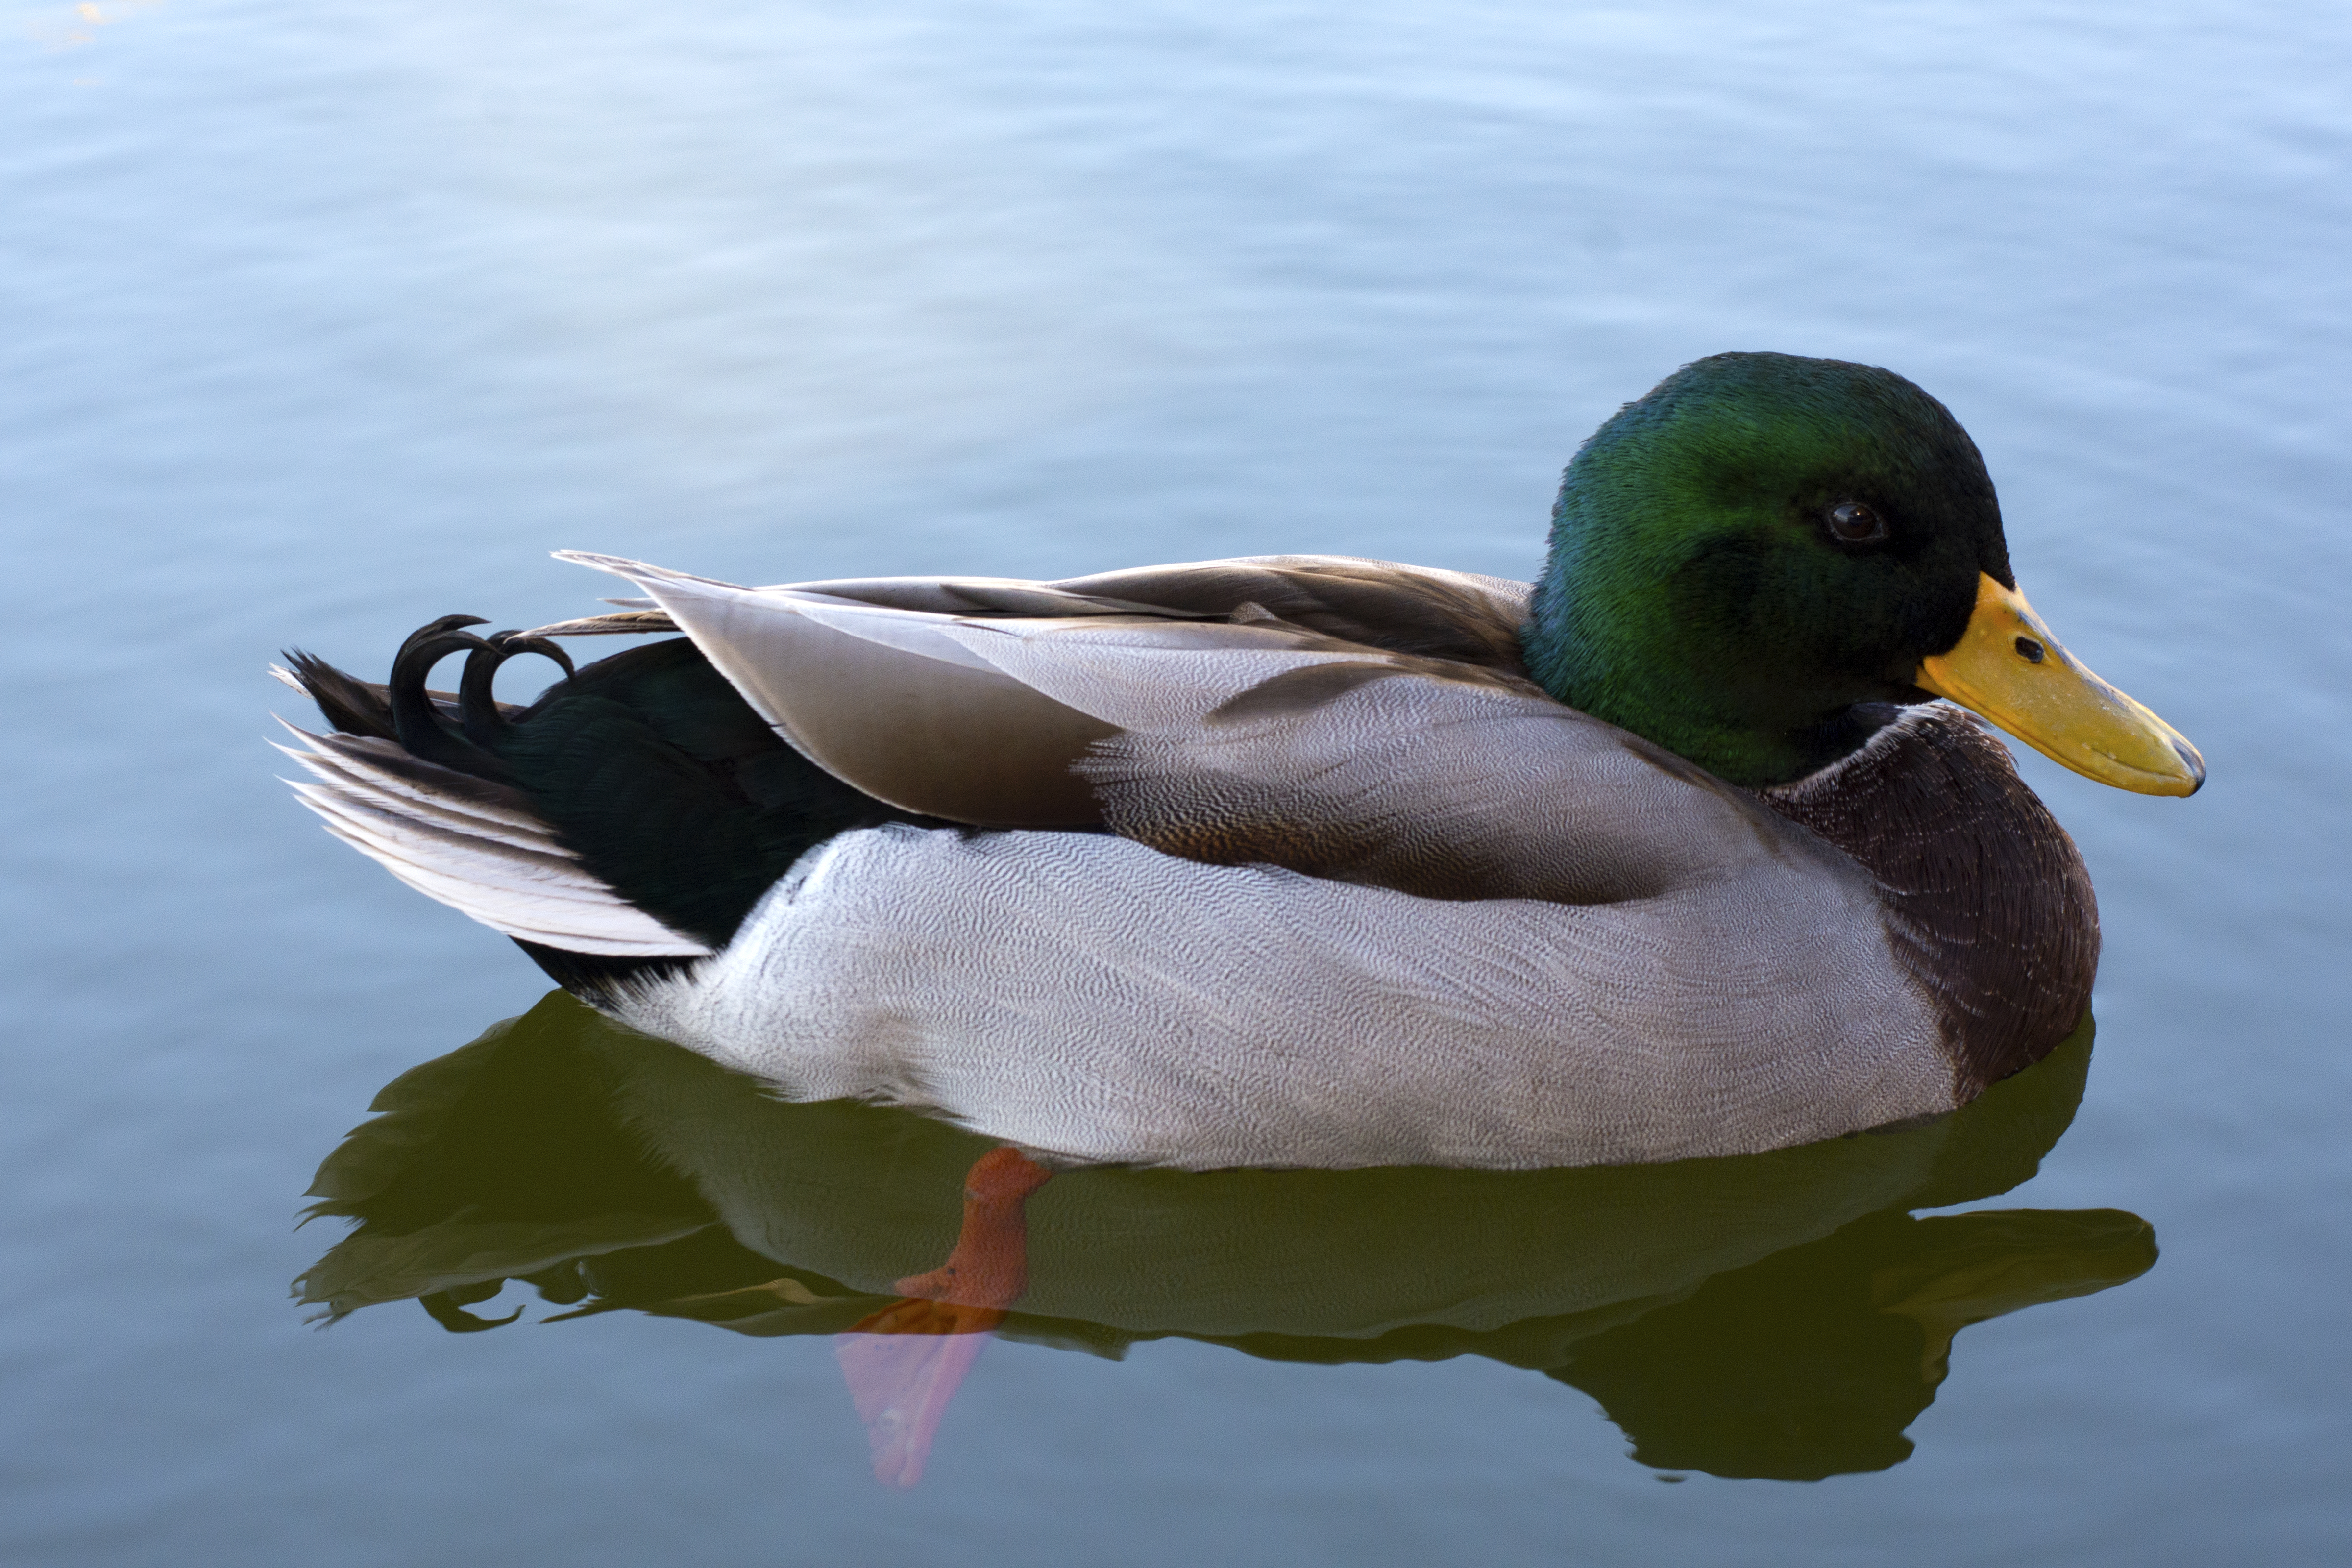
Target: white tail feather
(454, 839)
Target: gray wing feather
(1442, 788)
(906, 687)
(1231, 742)
(884, 699)
(1259, 743)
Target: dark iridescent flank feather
(674, 791)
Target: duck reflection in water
(1780, 1315)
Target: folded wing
(1151, 703)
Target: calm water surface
(321, 321)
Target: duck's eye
(1850, 523)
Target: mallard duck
(1692, 848)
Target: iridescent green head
(1761, 543)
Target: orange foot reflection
(904, 1363)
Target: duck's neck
(1641, 655)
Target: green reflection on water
(1779, 1315)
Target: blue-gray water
(324, 321)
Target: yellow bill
(2008, 668)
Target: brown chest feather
(1993, 908)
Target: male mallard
(1309, 861)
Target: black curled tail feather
(647, 765)
(354, 707)
(483, 718)
(417, 719)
